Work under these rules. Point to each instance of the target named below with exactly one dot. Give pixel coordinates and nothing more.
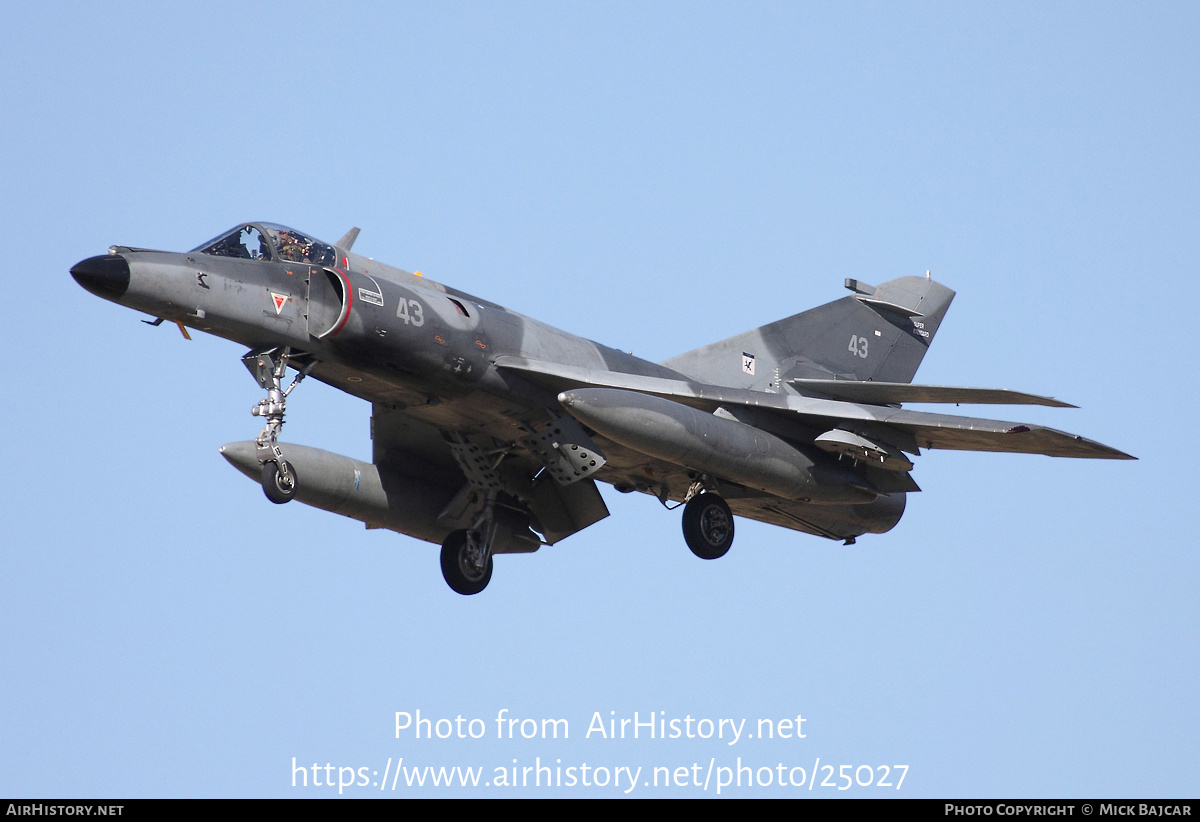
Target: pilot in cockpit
(291, 248)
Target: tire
(460, 574)
(277, 490)
(708, 526)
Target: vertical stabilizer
(880, 333)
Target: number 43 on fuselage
(490, 429)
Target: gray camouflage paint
(439, 364)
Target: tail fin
(879, 333)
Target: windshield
(267, 241)
(246, 242)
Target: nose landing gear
(279, 481)
(269, 367)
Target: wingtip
(1111, 453)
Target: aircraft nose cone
(106, 276)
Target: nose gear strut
(269, 368)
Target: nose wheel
(279, 481)
(708, 526)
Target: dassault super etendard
(490, 429)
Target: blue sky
(655, 177)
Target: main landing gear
(467, 554)
(707, 525)
(466, 562)
(279, 478)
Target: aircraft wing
(955, 433)
(886, 393)
(560, 377)
(944, 431)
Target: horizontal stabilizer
(891, 482)
(887, 393)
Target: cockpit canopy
(267, 241)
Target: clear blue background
(656, 177)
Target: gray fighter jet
(491, 429)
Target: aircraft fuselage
(490, 428)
